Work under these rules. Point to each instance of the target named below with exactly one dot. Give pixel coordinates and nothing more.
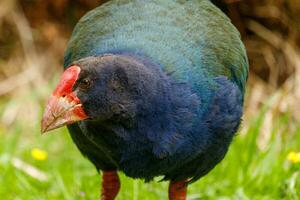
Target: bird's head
(97, 88)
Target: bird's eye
(85, 83)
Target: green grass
(247, 172)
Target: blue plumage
(169, 79)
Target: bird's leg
(110, 185)
(177, 190)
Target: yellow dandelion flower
(39, 154)
(294, 157)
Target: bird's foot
(177, 190)
(110, 185)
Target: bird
(151, 89)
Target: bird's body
(185, 69)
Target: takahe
(151, 88)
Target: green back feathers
(191, 38)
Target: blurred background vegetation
(263, 162)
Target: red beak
(64, 107)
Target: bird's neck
(163, 105)
(173, 108)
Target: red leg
(177, 190)
(110, 185)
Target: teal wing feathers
(192, 39)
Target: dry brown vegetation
(33, 35)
